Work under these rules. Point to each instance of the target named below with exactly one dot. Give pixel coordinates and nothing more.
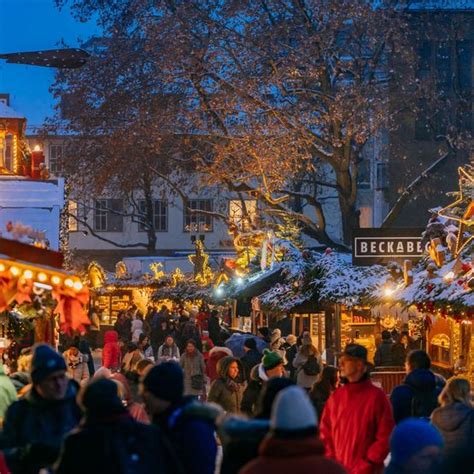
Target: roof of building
(443, 5)
(7, 112)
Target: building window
(108, 215)
(381, 177)
(242, 213)
(363, 175)
(195, 221)
(160, 215)
(55, 156)
(365, 217)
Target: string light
(15, 271)
(28, 274)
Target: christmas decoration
(200, 260)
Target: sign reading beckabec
(371, 246)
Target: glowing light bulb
(388, 291)
(449, 276)
(2, 267)
(42, 277)
(239, 281)
(14, 271)
(68, 282)
(55, 280)
(78, 286)
(28, 274)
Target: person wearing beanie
(189, 425)
(271, 366)
(251, 358)
(292, 444)
(357, 419)
(110, 440)
(35, 425)
(416, 447)
(227, 390)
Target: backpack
(311, 366)
(423, 403)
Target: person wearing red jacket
(357, 419)
(111, 354)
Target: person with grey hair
(455, 421)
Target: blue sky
(30, 25)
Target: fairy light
(78, 286)
(55, 280)
(69, 283)
(15, 271)
(2, 267)
(449, 276)
(16, 161)
(28, 274)
(42, 277)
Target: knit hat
(410, 436)
(356, 351)
(293, 411)
(271, 359)
(250, 343)
(100, 396)
(165, 381)
(45, 361)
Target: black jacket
(34, 428)
(383, 354)
(249, 361)
(119, 445)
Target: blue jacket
(421, 380)
(190, 427)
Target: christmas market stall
(441, 285)
(38, 299)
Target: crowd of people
(171, 397)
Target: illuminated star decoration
(462, 210)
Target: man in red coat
(357, 419)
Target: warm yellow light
(449, 276)
(37, 148)
(14, 271)
(42, 277)
(387, 291)
(55, 280)
(28, 274)
(68, 282)
(78, 286)
(2, 267)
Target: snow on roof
(442, 5)
(7, 112)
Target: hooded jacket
(111, 353)
(227, 392)
(299, 455)
(240, 441)
(356, 425)
(34, 429)
(215, 355)
(190, 427)
(422, 380)
(7, 392)
(455, 422)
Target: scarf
(232, 385)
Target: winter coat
(7, 392)
(251, 396)
(85, 348)
(356, 426)
(190, 427)
(290, 353)
(383, 354)
(34, 428)
(215, 355)
(240, 441)
(136, 330)
(124, 329)
(76, 366)
(399, 354)
(116, 444)
(167, 353)
(215, 330)
(192, 365)
(130, 361)
(207, 345)
(111, 354)
(147, 353)
(319, 396)
(190, 331)
(302, 379)
(227, 392)
(455, 422)
(135, 409)
(249, 361)
(422, 380)
(298, 455)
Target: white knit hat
(293, 411)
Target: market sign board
(371, 246)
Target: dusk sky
(30, 25)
